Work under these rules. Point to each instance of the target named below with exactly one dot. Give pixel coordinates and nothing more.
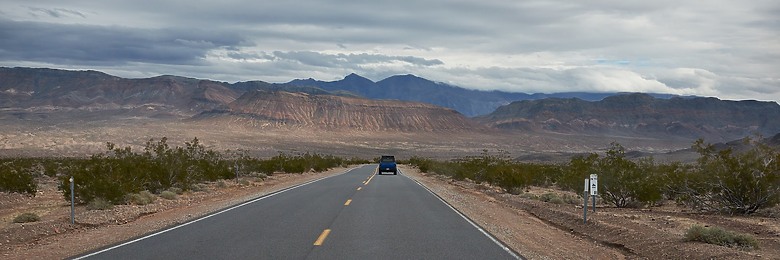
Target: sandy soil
(47, 138)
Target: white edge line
(487, 234)
(261, 197)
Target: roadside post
(235, 166)
(594, 188)
(585, 202)
(72, 202)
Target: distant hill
(325, 111)
(57, 90)
(26, 88)
(641, 115)
(412, 88)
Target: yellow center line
(322, 237)
(347, 203)
(369, 179)
(360, 188)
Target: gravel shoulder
(531, 237)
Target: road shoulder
(524, 233)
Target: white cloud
(723, 48)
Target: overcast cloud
(727, 49)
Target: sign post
(585, 202)
(72, 202)
(235, 166)
(594, 188)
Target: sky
(725, 49)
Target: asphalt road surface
(355, 215)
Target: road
(354, 215)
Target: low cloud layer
(727, 49)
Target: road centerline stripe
(369, 179)
(321, 238)
(259, 198)
(348, 202)
(359, 188)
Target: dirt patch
(544, 230)
(54, 237)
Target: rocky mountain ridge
(330, 112)
(641, 115)
(412, 88)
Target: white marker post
(594, 188)
(585, 202)
(72, 202)
(235, 167)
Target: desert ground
(533, 228)
(57, 137)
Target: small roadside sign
(594, 187)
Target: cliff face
(642, 116)
(278, 108)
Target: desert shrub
(259, 175)
(26, 217)
(734, 182)
(493, 168)
(625, 183)
(141, 198)
(674, 178)
(423, 164)
(168, 195)
(199, 187)
(300, 163)
(99, 204)
(516, 191)
(355, 161)
(576, 171)
(551, 197)
(570, 199)
(119, 171)
(221, 184)
(108, 176)
(243, 182)
(17, 177)
(176, 190)
(529, 196)
(719, 236)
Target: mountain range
(641, 115)
(404, 103)
(412, 88)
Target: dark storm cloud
(92, 44)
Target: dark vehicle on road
(387, 164)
